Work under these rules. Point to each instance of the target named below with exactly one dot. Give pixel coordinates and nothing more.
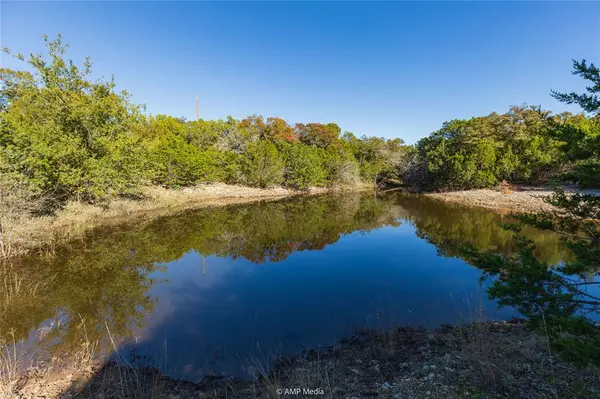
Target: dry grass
(10, 366)
(26, 233)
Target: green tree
(581, 135)
(62, 133)
(262, 165)
(303, 166)
(559, 301)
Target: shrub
(303, 166)
(262, 165)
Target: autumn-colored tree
(318, 134)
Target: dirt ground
(486, 360)
(524, 199)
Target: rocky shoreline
(484, 360)
(523, 199)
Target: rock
(431, 376)
(404, 365)
(428, 393)
(355, 371)
(433, 367)
(386, 385)
(426, 368)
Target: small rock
(404, 365)
(433, 367)
(386, 385)
(355, 371)
(426, 368)
(428, 393)
(431, 376)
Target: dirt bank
(524, 199)
(486, 360)
(76, 218)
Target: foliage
(340, 167)
(559, 301)
(67, 137)
(262, 165)
(303, 166)
(581, 135)
(377, 157)
(64, 134)
(318, 134)
(590, 101)
(482, 151)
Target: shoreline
(482, 360)
(42, 233)
(524, 199)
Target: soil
(524, 199)
(485, 360)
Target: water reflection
(221, 285)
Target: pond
(225, 290)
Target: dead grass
(43, 233)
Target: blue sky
(385, 69)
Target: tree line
(63, 134)
(66, 137)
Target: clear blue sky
(386, 69)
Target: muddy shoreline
(484, 360)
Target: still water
(224, 290)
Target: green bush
(303, 166)
(64, 134)
(262, 165)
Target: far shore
(523, 199)
(76, 218)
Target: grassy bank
(484, 360)
(43, 233)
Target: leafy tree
(172, 161)
(377, 157)
(262, 165)
(340, 166)
(480, 152)
(303, 166)
(278, 129)
(62, 133)
(558, 300)
(581, 135)
(318, 134)
(590, 101)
